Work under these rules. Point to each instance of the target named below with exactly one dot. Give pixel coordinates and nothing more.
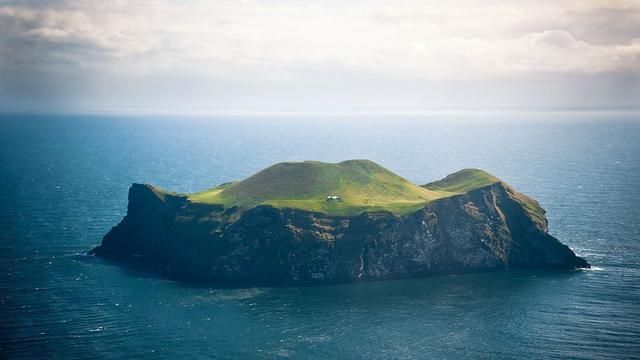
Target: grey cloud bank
(308, 56)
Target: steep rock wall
(490, 228)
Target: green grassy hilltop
(462, 181)
(362, 185)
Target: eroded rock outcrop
(488, 228)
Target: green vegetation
(362, 185)
(463, 181)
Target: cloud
(285, 41)
(409, 38)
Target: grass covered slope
(362, 185)
(463, 181)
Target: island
(313, 222)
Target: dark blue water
(65, 181)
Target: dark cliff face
(491, 228)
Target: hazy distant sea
(65, 180)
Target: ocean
(65, 181)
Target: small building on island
(333, 198)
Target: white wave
(593, 268)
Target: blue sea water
(64, 185)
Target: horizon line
(259, 113)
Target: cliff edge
(469, 221)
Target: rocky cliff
(488, 228)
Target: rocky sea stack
(315, 222)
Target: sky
(224, 56)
